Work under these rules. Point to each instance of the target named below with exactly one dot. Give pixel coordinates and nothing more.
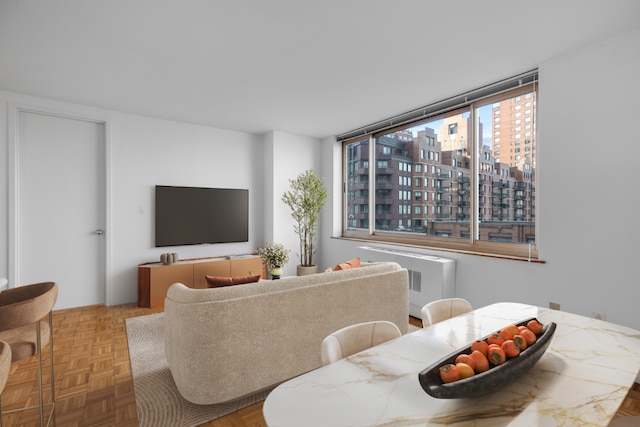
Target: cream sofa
(224, 343)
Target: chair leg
(53, 378)
(39, 350)
(51, 415)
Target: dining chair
(443, 309)
(630, 421)
(355, 338)
(23, 328)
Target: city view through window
(427, 183)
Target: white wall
(146, 152)
(588, 193)
(292, 154)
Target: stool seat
(23, 340)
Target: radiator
(430, 277)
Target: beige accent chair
(630, 421)
(356, 338)
(22, 311)
(443, 309)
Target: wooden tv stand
(155, 278)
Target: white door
(61, 206)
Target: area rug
(158, 401)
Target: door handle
(99, 232)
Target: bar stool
(22, 311)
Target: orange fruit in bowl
(534, 326)
(465, 358)
(496, 355)
(449, 373)
(512, 329)
(520, 341)
(481, 346)
(507, 335)
(495, 339)
(480, 361)
(466, 371)
(510, 349)
(529, 336)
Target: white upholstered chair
(355, 338)
(631, 421)
(443, 309)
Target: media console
(155, 278)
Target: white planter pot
(306, 270)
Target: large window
(460, 178)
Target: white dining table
(580, 380)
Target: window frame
(525, 251)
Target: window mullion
(473, 176)
(372, 184)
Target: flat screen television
(195, 215)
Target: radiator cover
(430, 277)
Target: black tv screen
(194, 215)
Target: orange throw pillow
(354, 263)
(218, 282)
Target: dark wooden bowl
(488, 381)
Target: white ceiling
(314, 68)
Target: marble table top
(581, 380)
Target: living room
(587, 85)
(583, 273)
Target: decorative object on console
(275, 272)
(274, 257)
(169, 258)
(307, 197)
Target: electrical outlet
(554, 306)
(599, 316)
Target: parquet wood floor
(93, 374)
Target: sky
(485, 119)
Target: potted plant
(306, 198)
(274, 257)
